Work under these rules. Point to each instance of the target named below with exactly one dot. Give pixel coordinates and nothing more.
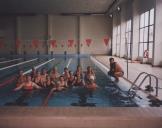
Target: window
(146, 39)
(118, 41)
(128, 35)
(114, 40)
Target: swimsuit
(29, 86)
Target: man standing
(115, 70)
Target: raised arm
(66, 85)
(19, 87)
(36, 86)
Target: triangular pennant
(35, 43)
(88, 42)
(18, 43)
(70, 43)
(106, 41)
(1, 43)
(53, 43)
(62, 45)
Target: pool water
(106, 95)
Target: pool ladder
(132, 92)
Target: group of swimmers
(57, 81)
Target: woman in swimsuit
(21, 78)
(71, 79)
(61, 84)
(28, 85)
(49, 82)
(91, 85)
(89, 74)
(54, 75)
(79, 81)
(43, 78)
(37, 79)
(78, 71)
(33, 73)
(66, 74)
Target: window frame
(118, 42)
(143, 28)
(129, 32)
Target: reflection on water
(83, 95)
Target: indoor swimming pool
(106, 95)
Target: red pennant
(106, 41)
(18, 43)
(35, 43)
(70, 43)
(62, 45)
(88, 42)
(1, 43)
(53, 43)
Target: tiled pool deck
(134, 70)
(44, 117)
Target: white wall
(7, 32)
(158, 36)
(95, 28)
(62, 29)
(30, 28)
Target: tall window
(118, 41)
(146, 33)
(114, 40)
(128, 35)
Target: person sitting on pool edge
(28, 85)
(115, 70)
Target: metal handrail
(143, 80)
(137, 79)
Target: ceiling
(54, 6)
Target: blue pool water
(106, 95)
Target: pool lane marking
(11, 66)
(14, 77)
(8, 81)
(2, 58)
(45, 102)
(38, 66)
(30, 70)
(69, 62)
(7, 61)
